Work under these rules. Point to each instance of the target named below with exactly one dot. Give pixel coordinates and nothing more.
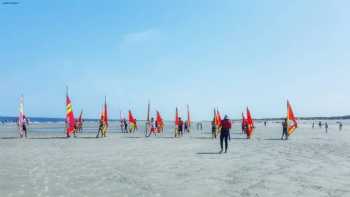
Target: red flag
(69, 116)
(218, 118)
(188, 116)
(244, 120)
(250, 124)
(159, 120)
(177, 118)
(105, 114)
(131, 118)
(291, 119)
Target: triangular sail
(291, 119)
(69, 116)
(250, 124)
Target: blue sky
(226, 54)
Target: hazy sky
(227, 54)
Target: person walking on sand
(225, 133)
(100, 129)
(284, 129)
(326, 127)
(320, 124)
(313, 124)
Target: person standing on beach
(125, 125)
(122, 125)
(320, 124)
(326, 127)
(24, 126)
(100, 129)
(340, 126)
(284, 129)
(213, 129)
(313, 124)
(180, 127)
(225, 133)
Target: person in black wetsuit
(284, 129)
(225, 133)
(180, 127)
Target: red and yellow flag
(105, 114)
(250, 124)
(69, 116)
(188, 116)
(131, 118)
(159, 119)
(177, 118)
(218, 118)
(291, 119)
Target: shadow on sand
(87, 137)
(10, 138)
(279, 139)
(238, 138)
(202, 138)
(46, 138)
(164, 137)
(133, 137)
(208, 153)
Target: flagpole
(148, 117)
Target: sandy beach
(311, 163)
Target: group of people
(182, 126)
(320, 125)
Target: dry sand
(311, 163)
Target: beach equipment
(69, 116)
(21, 117)
(176, 122)
(79, 122)
(160, 122)
(188, 118)
(148, 123)
(132, 121)
(291, 119)
(250, 124)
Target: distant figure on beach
(340, 126)
(23, 127)
(244, 127)
(284, 129)
(265, 123)
(320, 124)
(326, 127)
(213, 129)
(186, 127)
(122, 125)
(153, 126)
(100, 129)
(199, 126)
(125, 125)
(313, 124)
(180, 127)
(225, 133)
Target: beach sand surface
(310, 163)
